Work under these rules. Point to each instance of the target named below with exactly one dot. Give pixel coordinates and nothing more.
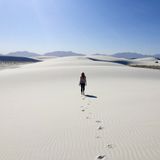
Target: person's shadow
(91, 96)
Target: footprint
(100, 128)
(101, 157)
(98, 137)
(83, 98)
(109, 146)
(98, 121)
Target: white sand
(149, 61)
(41, 115)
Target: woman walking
(82, 82)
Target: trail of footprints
(100, 127)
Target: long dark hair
(83, 75)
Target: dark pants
(82, 88)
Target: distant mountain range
(127, 55)
(157, 56)
(55, 53)
(23, 54)
(130, 55)
(63, 54)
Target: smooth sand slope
(44, 117)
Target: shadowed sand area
(41, 114)
(91, 96)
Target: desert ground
(43, 115)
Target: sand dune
(14, 62)
(44, 117)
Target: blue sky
(84, 26)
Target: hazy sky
(84, 26)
